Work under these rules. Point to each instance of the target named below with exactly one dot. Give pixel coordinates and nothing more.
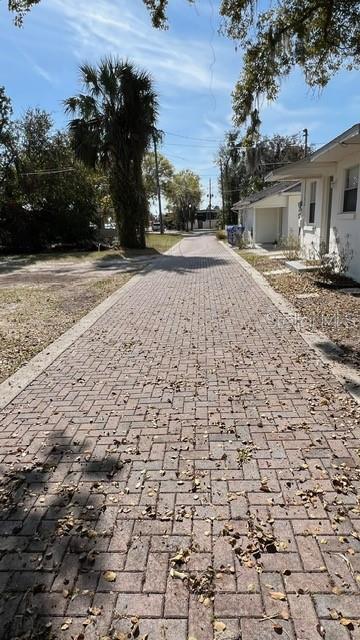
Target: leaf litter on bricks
(260, 541)
(199, 583)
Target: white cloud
(109, 27)
(43, 73)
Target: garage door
(267, 225)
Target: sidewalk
(186, 469)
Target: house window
(351, 189)
(312, 203)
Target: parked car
(155, 226)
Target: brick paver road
(187, 469)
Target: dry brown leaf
(284, 614)
(177, 574)
(110, 576)
(95, 611)
(346, 622)
(277, 595)
(66, 624)
(219, 626)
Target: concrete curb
(12, 386)
(348, 376)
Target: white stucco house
(271, 214)
(330, 197)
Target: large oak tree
(319, 36)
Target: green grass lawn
(162, 243)
(155, 243)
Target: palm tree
(113, 126)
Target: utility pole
(210, 195)
(222, 193)
(306, 136)
(158, 185)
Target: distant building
(271, 214)
(206, 218)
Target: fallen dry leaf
(219, 626)
(277, 595)
(284, 614)
(177, 574)
(347, 623)
(95, 611)
(110, 576)
(66, 624)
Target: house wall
(246, 217)
(284, 227)
(344, 227)
(348, 234)
(293, 215)
(310, 233)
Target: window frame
(312, 202)
(347, 189)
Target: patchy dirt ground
(43, 295)
(333, 312)
(34, 315)
(71, 266)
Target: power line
(179, 135)
(184, 144)
(47, 172)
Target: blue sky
(194, 69)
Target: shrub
(336, 263)
(242, 242)
(221, 234)
(291, 247)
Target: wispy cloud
(107, 27)
(43, 73)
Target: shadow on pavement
(341, 353)
(187, 264)
(55, 528)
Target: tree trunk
(128, 205)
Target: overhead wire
(47, 172)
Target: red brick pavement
(191, 444)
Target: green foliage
(244, 167)
(157, 9)
(235, 178)
(20, 8)
(40, 203)
(184, 197)
(335, 264)
(166, 173)
(291, 247)
(319, 36)
(7, 138)
(113, 126)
